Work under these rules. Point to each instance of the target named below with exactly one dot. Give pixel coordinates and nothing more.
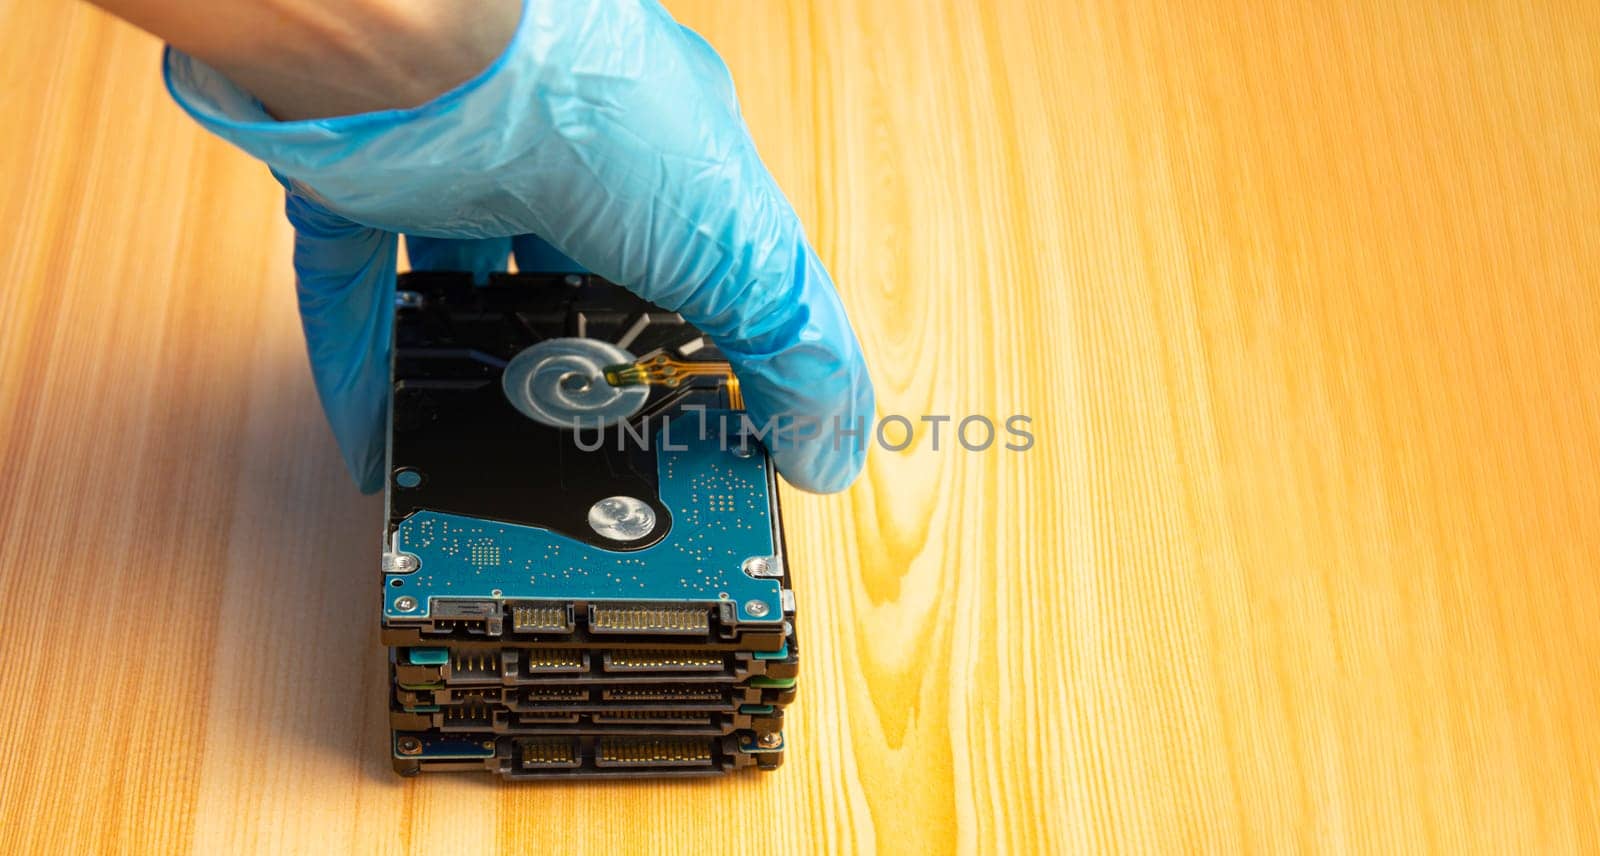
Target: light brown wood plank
(1303, 304)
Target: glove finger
(345, 277)
(481, 256)
(535, 255)
(712, 69)
(659, 187)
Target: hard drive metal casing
(589, 600)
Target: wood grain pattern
(1301, 299)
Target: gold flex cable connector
(662, 370)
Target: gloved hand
(612, 133)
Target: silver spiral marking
(561, 383)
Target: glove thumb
(345, 278)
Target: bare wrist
(315, 58)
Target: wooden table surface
(1302, 303)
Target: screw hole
(397, 583)
(408, 478)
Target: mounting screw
(770, 740)
(405, 603)
(409, 746)
(762, 567)
(400, 563)
(755, 607)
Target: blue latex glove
(612, 133)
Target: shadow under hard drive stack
(584, 572)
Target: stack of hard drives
(584, 573)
